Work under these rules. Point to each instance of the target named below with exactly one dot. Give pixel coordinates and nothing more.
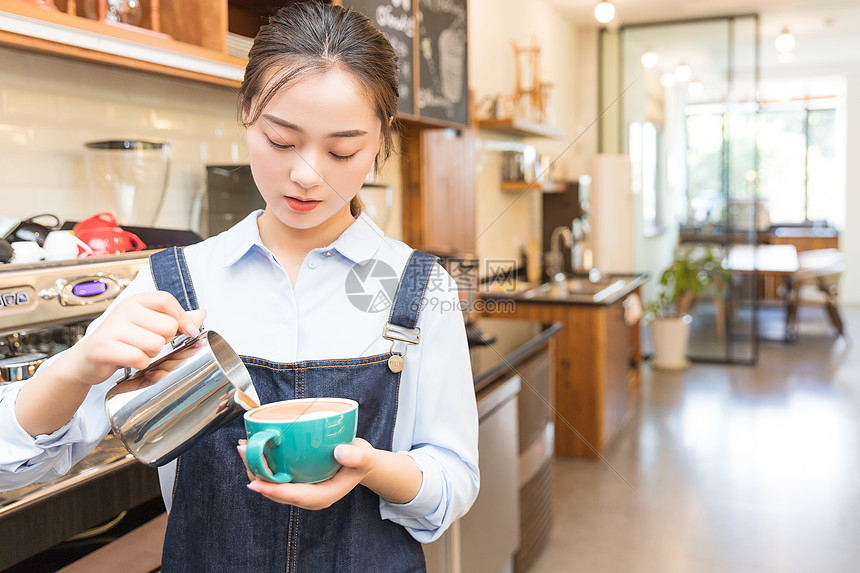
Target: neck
(290, 242)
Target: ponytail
(356, 206)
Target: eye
(337, 157)
(278, 145)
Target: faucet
(555, 264)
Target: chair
(816, 281)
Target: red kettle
(105, 237)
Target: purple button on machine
(89, 289)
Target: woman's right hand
(130, 336)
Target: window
(799, 180)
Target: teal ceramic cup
(297, 438)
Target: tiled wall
(50, 106)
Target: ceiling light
(695, 89)
(683, 72)
(604, 12)
(649, 60)
(784, 42)
(667, 79)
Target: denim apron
(218, 524)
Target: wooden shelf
(28, 27)
(520, 128)
(408, 121)
(542, 187)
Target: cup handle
(106, 217)
(88, 250)
(136, 243)
(258, 443)
(55, 226)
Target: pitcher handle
(181, 339)
(258, 443)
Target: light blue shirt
(251, 302)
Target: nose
(304, 170)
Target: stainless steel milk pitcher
(161, 411)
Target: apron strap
(170, 274)
(409, 297)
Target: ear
(382, 132)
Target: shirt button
(312, 264)
(327, 253)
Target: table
(772, 262)
(777, 260)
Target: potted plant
(694, 270)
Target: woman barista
(318, 98)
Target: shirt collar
(243, 237)
(358, 243)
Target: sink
(578, 288)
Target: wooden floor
(725, 469)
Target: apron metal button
(395, 363)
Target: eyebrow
(297, 129)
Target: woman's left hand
(357, 460)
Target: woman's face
(312, 147)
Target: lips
(303, 205)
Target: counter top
(498, 344)
(523, 294)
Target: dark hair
(310, 38)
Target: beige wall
(508, 221)
(50, 106)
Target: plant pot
(669, 338)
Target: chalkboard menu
(444, 87)
(395, 18)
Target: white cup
(26, 252)
(60, 245)
(7, 225)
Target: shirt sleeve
(445, 437)
(25, 459)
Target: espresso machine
(44, 309)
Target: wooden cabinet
(596, 371)
(806, 243)
(438, 188)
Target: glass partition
(689, 121)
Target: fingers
(191, 322)
(358, 454)
(348, 455)
(165, 305)
(241, 449)
(309, 495)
